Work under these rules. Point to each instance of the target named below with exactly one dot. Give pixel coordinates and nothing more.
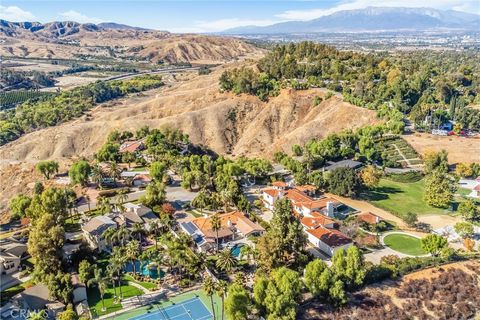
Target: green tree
(221, 288)
(436, 161)
(410, 219)
(283, 294)
(343, 182)
(85, 270)
(434, 244)
(226, 261)
(337, 293)
(370, 176)
(60, 286)
(68, 314)
(101, 282)
(209, 288)
(132, 251)
(464, 229)
(469, 210)
(155, 194)
(313, 278)
(38, 188)
(79, 172)
(216, 224)
(297, 150)
(237, 302)
(438, 190)
(355, 268)
(18, 205)
(158, 170)
(47, 168)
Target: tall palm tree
(246, 251)
(138, 230)
(111, 272)
(132, 251)
(226, 261)
(117, 261)
(216, 226)
(97, 175)
(209, 288)
(155, 228)
(103, 204)
(113, 171)
(221, 288)
(122, 235)
(122, 196)
(100, 281)
(110, 236)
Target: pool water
(147, 270)
(236, 250)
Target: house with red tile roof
(369, 218)
(132, 146)
(328, 240)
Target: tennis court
(192, 309)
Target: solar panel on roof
(189, 227)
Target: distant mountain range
(58, 29)
(373, 19)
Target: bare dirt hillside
(459, 149)
(69, 40)
(229, 124)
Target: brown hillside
(229, 124)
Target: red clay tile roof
(477, 187)
(297, 196)
(271, 192)
(279, 184)
(306, 188)
(369, 217)
(131, 146)
(316, 221)
(237, 219)
(331, 237)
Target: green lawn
(147, 285)
(95, 301)
(217, 303)
(196, 213)
(400, 198)
(463, 191)
(404, 244)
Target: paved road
(158, 71)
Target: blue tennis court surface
(192, 309)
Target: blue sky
(198, 15)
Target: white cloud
(14, 13)
(73, 15)
(224, 24)
(471, 6)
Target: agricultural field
(12, 98)
(397, 152)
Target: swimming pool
(148, 269)
(236, 250)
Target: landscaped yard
(196, 213)
(95, 301)
(147, 285)
(400, 198)
(404, 244)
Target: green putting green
(404, 243)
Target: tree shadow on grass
(380, 193)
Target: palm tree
(246, 251)
(226, 261)
(110, 235)
(122, 234)
(138, 230)
(97, 175)
(113, 171)
(117, 261)
(201, 200)
(132, 251)
(209, 288)
(216, 225)
(111, 276)
(103, 204)
(100, 281)
(87, 198)
(121, 197)
(155, 228)
(221, 288)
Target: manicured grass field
(147, 285)
(95, 301)
(404, 244)
(400, 198)
(217, 304)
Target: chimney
(330, 208)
